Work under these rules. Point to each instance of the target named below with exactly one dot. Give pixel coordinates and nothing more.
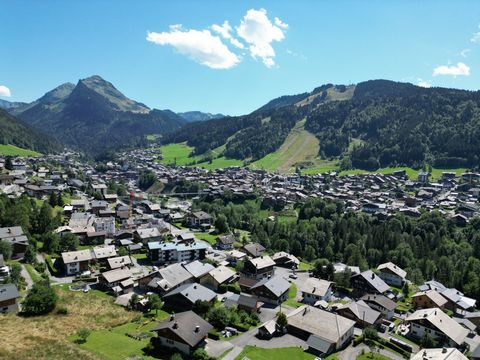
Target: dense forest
(401, 124)
(384, 123)
(15, 132)
(427, 247)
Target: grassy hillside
(180, 154)
(176, 154)
(299, 146)
(45, 337)
(13, 150)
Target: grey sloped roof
(277, 285)
(323, 324)
(193, 292)
(380, 300)
(362, 311)
(374, 280)
(173, 275)
(315, 286)
(8, 291)
(184, 326)
(198, 268)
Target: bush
(83, 334)
(40, 267)
(358, 340)
(241, 327)
(62, 311)
(40, 300)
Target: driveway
(351, 353)
(249, 338)
(28, 279)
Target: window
(171, 342)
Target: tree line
(427, 247)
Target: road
(27, 277)
(249, 338)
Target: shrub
(83, 334)
(62, 311)
(41, 299)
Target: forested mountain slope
(94, 116)
(15, 132)
(374, 124)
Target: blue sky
(197, 67)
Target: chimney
(444, 350)
(194, 286)
(197, 328)
(373, 275)
(172, 317)
(175, 325)
(314, 288)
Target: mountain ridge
(94, 116)
(355, 125)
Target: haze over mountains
(368, 125)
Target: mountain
(94, 116)
(7, 105)
(372, 124)
(15, 132)
(192, 116)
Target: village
(151, 242)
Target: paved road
(27, 277)
(249, 338)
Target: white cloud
(280, 23)
(200, 45)
(5, 91)
(295, 54)
(257, 30)
(424, 83)
(454, 70)
(475, 37)
(464, 52)
(224, 30)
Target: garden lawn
(305, 266)
(292, 292)
(211, 239)
(114, 345)
(256, 353)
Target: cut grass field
(114, 343)
(176, 154)
(45, 337)
(256, 353)
(298, 147)
(12, 150)
(210, 238)
(179, 154)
